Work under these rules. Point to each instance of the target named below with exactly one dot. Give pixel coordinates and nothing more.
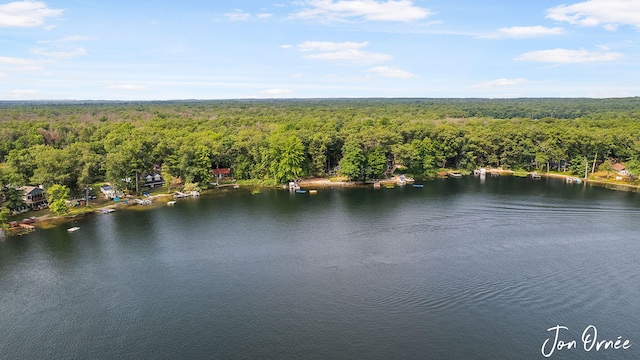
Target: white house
(110, 192)
(33, 197)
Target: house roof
(29, 189)
(618, 167)
(221, 171)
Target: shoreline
(49, 220)
(612, 185)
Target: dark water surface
(458, 269)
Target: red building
(221, 173)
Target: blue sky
(161, 50)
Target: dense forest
(77, 144)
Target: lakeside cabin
(221, 173)
(620, 169)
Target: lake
(460, 269)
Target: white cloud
(390, 10)
(24, 92)
(22, 65)
(331, 46)
(66, 39)
(608, 13)
(275, 92)
(26, 14)
(238, 15)
(391, 72)
(264, 16)
(352, 55)
(342, 52)
(15, 61)
(565, 56)
(3, 76)
(127, 87)
(285, 46)
(501, 82)
(60, 54)
(521, 32)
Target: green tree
(287, 157)
(13, 198)
(607, 166)
(579, 165)
(353, 161)
(429, 158)
(124, 165)
(54, 166)
(22, 162)
(376, 164)
(57, 196)
(5, 214)
(189, 187)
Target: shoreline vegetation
(68, 148)
(49, 220)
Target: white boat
(72, 229)
(171, 202)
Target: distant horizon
(53, 50)
(310, 98)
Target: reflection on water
(459, 269)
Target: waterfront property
(110, 192)
(33, 197)
(221, 173)
(620, 169)
(153, 180)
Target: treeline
(77, 144)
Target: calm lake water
(459, 269)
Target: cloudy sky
(197, 49)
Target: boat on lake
(454, 174)
(73, 229)
(301, 191)
(418, 185)
(535, 175)
(171, 202)
(571, 180)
